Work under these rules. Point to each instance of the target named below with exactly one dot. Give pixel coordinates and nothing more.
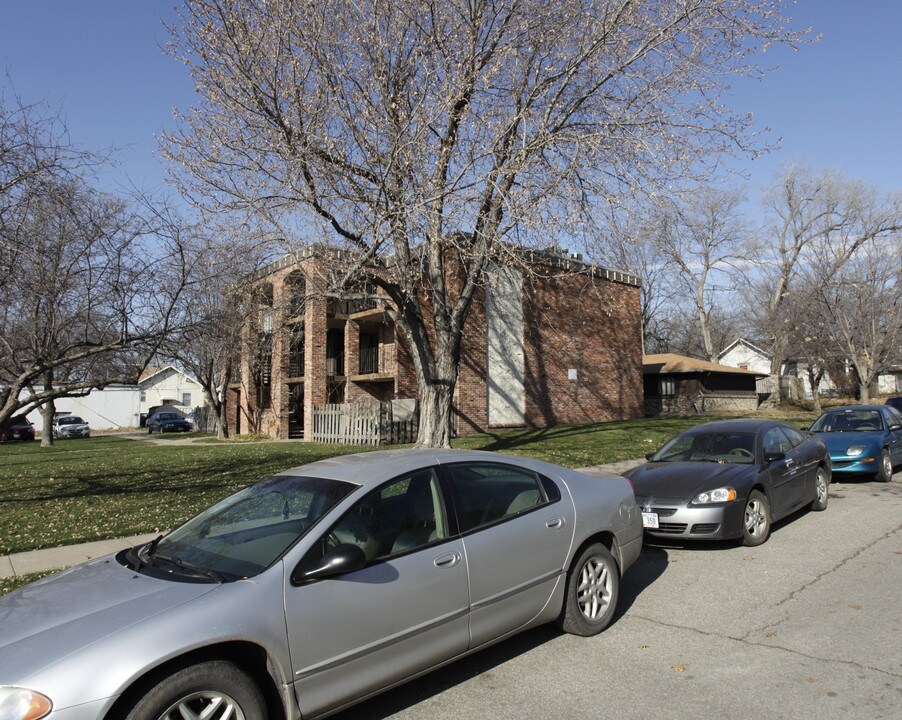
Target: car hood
(685, 480)
(48, 620)
(839, 442)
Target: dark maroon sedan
(16, 428)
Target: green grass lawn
(108, 486)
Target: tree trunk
(776, 365)
(222, 432)
(436, 413)
(48, 410)
(814, 382)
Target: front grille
(704, 528)
(672, 528)
(663, 512)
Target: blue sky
(835, 103)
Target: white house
(113, 408)
(167, 385)
(747, 356)
(744, 355)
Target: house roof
(748, 344)
(154, 371)
(666, 363)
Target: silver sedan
(319, 587)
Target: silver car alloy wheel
(756, 518)
(595, 586)
(206, 705)
(887, 465)
(821, 481)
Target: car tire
(590, 599)
(212, 690)
(821, 490)
(885, 472)
(756, 519)
(149, 431)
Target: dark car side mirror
(339, 560)
(774, 457)
(650, 455)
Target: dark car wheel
(821, 490)
(212, 690)
(593, 584)
(756, 520)
(885, 473)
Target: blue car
(862, 439)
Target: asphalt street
(808, 625)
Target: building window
(144, 396)
(186, 399)
(666, 387)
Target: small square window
(186, 399)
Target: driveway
(807, 625)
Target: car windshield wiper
(189, 568)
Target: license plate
(650, 520)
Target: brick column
(353, 392)
(315, 379)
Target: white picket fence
(387, 423)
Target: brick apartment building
(559, 346)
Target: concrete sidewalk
(35, 561)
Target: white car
(70, 426)
(317, 588)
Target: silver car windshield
(247, 532)
(722, 447)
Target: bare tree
(91, 287)
(433, 138)
(705, 236)
(628, 240)
(863, 302)
(214, 314)
(807, 208)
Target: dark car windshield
(848, 421)
(168, 416)
(70, 420)
(713, 446)
(247, 532)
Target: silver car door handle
(555, 522)
(447, 561)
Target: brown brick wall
(571, 321)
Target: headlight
(724, 494)
(21, 704)
(855, 450)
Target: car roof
(748, 425)
(372, 468)
(853, 407)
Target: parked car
(731, 479)
(320, 586)
(862, 439)
(895, 401)
(18, 427)
(70, 426)
(168, 422)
